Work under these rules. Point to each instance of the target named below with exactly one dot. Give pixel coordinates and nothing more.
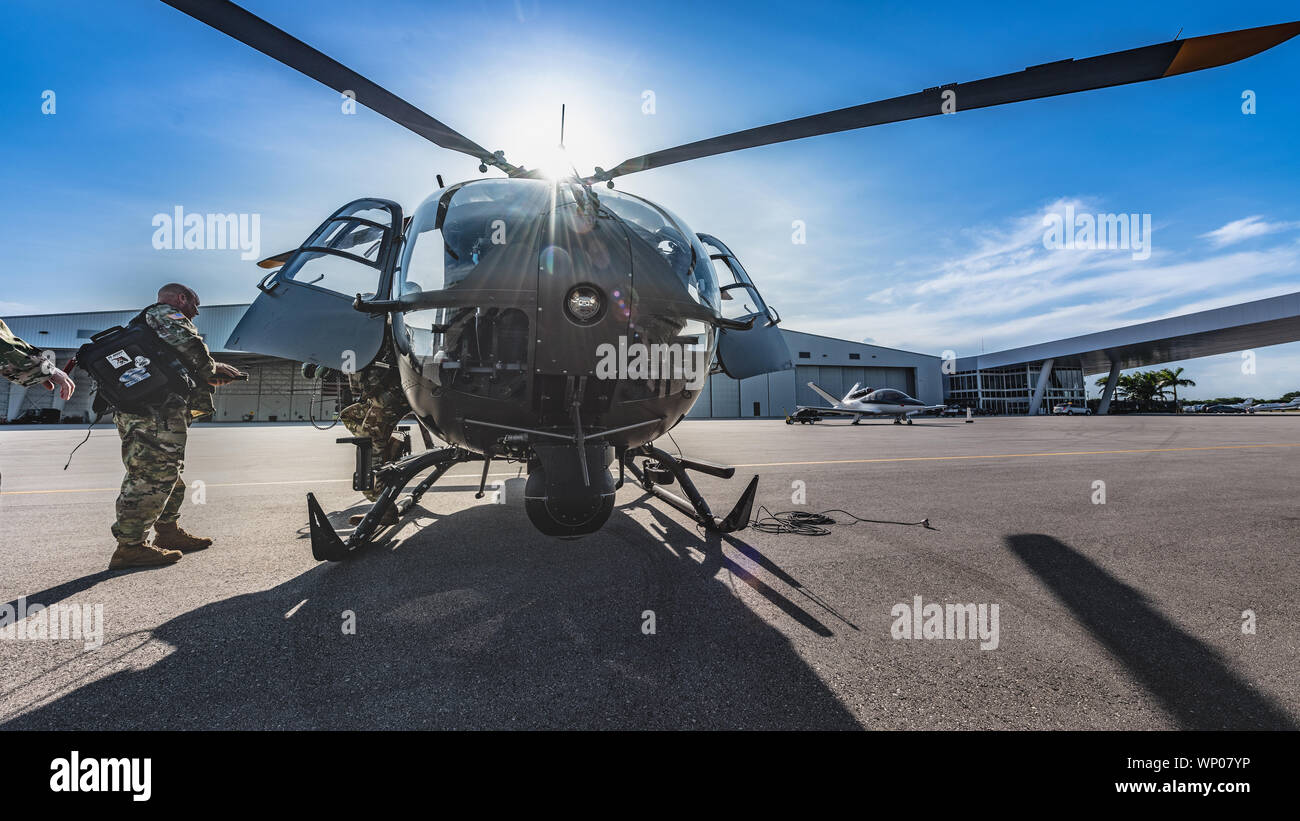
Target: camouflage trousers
(153, 452)
(377, 418)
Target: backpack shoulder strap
(139, 319)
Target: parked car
(1223, 409)
(806, 416)
(1071, 409)
(42, 416)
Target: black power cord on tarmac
(805, 523)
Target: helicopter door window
(738, 298)
(343, 255)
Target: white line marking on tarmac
(751, 465)
(232, 484)
(294, 609)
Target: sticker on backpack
(119, 358)
(133, 376)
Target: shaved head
(174, 288)
(181, 297)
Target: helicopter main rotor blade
(1047, 80)
(248, 28)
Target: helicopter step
(393, 478)
(660, 465)
(399, 446)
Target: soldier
(153, 445)
(380, 404)
(23, 364)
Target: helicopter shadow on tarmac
(475, 620)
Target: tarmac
(1142, 570)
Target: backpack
(134, 370)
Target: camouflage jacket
(19, 361)
(174, 329)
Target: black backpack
(134, 370)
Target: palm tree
(1123, 385)
(1175, 380)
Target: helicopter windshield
(455, 230)
(669, 236)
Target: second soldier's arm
(22, 363)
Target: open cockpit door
(762, 348)
(305, 310)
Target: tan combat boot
(141, 555)
(171, 536)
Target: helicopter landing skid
(393, 478)
(661, 466)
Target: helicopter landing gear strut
(661, 468)
(393, 478)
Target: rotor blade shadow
(715, 559)
(56, 594)
(1189, 678)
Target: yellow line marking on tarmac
(753, 465)
(1011, 455)
(231, 484)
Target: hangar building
(1036, 377)
(276, 390)
(1022, 380)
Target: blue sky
(924, 235)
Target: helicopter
(498, 298)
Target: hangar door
(725, 396)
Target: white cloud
(1004, 289)
(1244, 229)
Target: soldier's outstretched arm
(21, 362)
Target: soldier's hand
(225, 374)
(59, 379)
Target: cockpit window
(668, 235)
(456, 229)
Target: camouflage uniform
(19, 361)
(153, 445)
(380, 405)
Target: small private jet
(860, 402)
(1248, 406)
(1273, 406)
